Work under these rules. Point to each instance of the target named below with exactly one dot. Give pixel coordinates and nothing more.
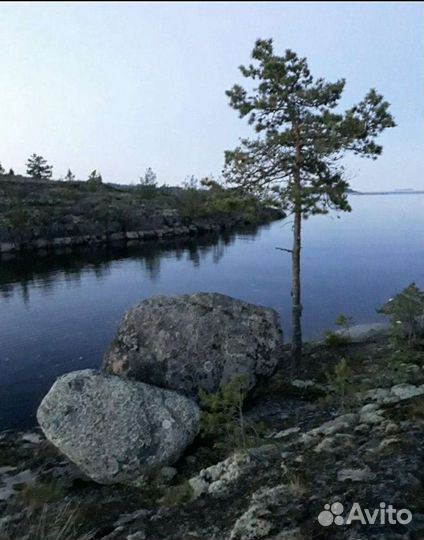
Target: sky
(120, 87)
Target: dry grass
(49, 523)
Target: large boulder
(195, 341)
(116, 430)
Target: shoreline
(43, 246)
(360, 336)
(386, 193)
(46, 215)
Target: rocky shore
(40, 216)
(345, 428)
(43, 245)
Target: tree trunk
(296, 301)
(295, 293)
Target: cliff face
(36, 214)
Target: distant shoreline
(412, 192)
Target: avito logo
(385, 514)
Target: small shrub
(177, 495)
(94, 181)
(333, 340)
(191, 200)
(153, 491)
(69, 193)
(222, 201)
(145, 192)
(18, 217)
(222, 416)
(148, 188)
(400, 367)
(344, 322)
(406, 312)
(207, 198)
(342, 386)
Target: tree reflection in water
(18, 274)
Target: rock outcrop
(363, 450)
(39, 215)
(116, 430)
(361, 333)
(193, 342)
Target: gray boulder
(116, 430)
(195, 341)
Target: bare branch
(287, 222)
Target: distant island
(404, 191)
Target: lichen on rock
(116, 430)
(198, 341)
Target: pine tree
(37, 168)
(95, 177)
(70, 176)
(148, 185)
(294, 160)
(149, 178)
(2, 171)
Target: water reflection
(18, 275)
(59, 312)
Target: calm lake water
(59, 313)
